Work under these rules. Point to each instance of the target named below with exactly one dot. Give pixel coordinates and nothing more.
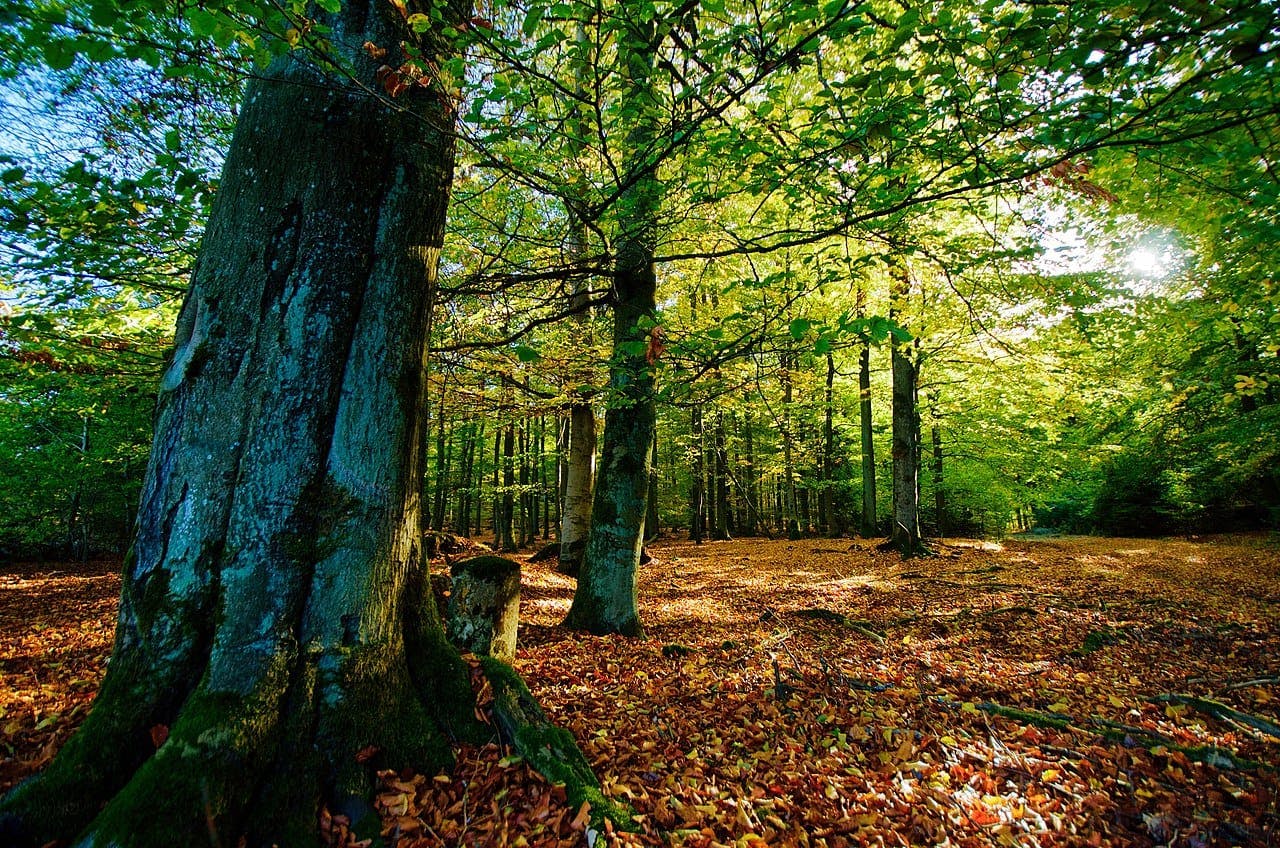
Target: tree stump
(484, 606)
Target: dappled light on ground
(1063, 691)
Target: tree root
(1127, 734)
(862, 627)
(549, 749)
(1039, 719)
(1011, 610)
(1222, 712)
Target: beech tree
(273, 621)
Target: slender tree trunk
(462, 508)
(481, 453)
(792, 522)
(525, 505)
(544, 487)
(906, 483)
(870, 518)
(651, 516)
(830, 523)
(939, 494)
(441, 480)
(605, 601)
(696, 507)
(506, 530)
(710, 461)
(752, 524)
(496, 515)
(273, 617)
(575, 521)
(580, 470)
(722, 481)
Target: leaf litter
(1061, 691)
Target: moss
(440, 677)
(548, 749)
(1059, 722)
(1097, 640)
(204, 775)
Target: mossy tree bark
(605, 600)
(274, 616)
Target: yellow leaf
(948, 740)
(1115, 702)
(139, 206)
(1060, 707)
(968, 707)
(1049, 774)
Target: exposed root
(549, 749)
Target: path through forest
(819, 692)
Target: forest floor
(1057, 691)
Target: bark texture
(905, 535)
(484, 606)
(605, 600)
(274, 614)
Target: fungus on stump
(484, 606)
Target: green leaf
(13, 175)
(331, 6)
(203, 24)
(799, 327)
(900, 333)
(532, 19)
(59, 54)
(527, 354)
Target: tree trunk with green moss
(605, 600)
(275, 623)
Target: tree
(605, 601)
(274, 618)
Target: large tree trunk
(274, 618)
(605, 600)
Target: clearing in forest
(818, 692)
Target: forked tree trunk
(274, 618)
